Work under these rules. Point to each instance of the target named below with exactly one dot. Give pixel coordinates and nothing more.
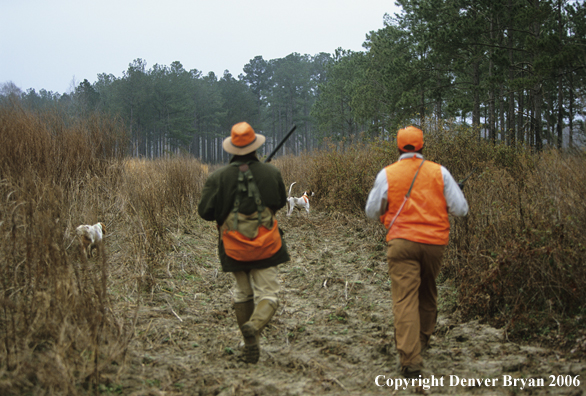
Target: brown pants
(413, 268)
(257, 284)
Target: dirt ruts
(332, 334)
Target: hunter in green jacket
(245, 196)
(218, 197)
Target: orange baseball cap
(410, 139)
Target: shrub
(518, 257)
(56, 325)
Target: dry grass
(57, 325)
(296, 169)
(66, 323)
(518, 257)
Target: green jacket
(217, 200)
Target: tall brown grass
(58, 329)
(518, 257)
(157, 196)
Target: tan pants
(260, 284)
(413, 268)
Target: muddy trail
(332, 333)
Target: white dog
(298, 203)
(90, 236)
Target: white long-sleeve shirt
(376, 205)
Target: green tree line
(515, 69)
(170, 110)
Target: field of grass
(69, 325)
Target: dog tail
(103, 228)
(290, 187)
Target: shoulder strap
(246, 186)
(406, 196)
(414, 177)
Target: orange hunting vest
(424, 217)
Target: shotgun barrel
(271, 155)
(461, 182)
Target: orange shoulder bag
(250, 237)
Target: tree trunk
(422, 111)
(491, 95)
(476, 90)
(560, 138)
(571, 113)
(510, 131)
(537, 92)
(491, 115)
(438, 102)
(520, 118)
(503, 126)
(532, 122)
(560, 124)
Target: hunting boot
(262, 314)
(243, 312)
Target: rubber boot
(262, 314)
(243, 311)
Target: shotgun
(271, 155)
(461, 182)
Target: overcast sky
(50, 44)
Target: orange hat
(242, 140)
(410, 139)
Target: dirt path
(332, 334)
